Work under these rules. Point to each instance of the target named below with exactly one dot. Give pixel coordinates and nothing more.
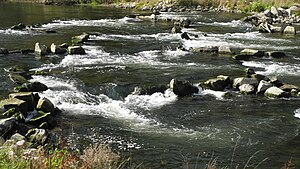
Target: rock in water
(263, 86)
(176, 29)
(3, 51)
(76, 50)
(276, 54)
(41, 50)
(253, 52)
(15, 103)
(182, 88)
(237, 82)
(276, 92)
(218, 84)
(80, 39)
(289, 30)
(45, 105)
(57, 49)
(185, 35)
(247, 89)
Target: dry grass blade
(288, 164)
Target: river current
(159, 130)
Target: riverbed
(160, 130)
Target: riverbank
(245, 6)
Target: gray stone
(25, 96)
(264, 28)
(17, 137)
(237, 82)
(275, 29)
(253, 52)
(289, 87)
(64, 45)
(274, 80)
(33, 87)
(247, 89)
(185, 35)
(276, 92)
(274, 11)
(263, 86)
(45, 105)
(289, 30)
(276, 54)
(149, 90)
(20, 26)
(17, 78)
(218, 84)
(57, 49)
(182, 88)
(41, 50)
(259, 77)
(76, 50)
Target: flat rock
(253, 52)
(276, 92)
(276, 54)
(237, 82)
(15, 103)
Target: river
(158, 130)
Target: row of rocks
(26, 119)
(42, 50)
(251, 84)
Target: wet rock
(15, 103)
(253, 52)
(264, 28)
(276, 54)
(80, 39)
(185, 35)
(42, 118)
(176, 29)
(263, 86)
(3, 51)
(149, 90)
(224, 50)
(259, 77)
(32, 87)
(64, 45)
(17, 79)
(247, 89)
(275, 81)
(241, 57)
(275, 29)
(276, 92)
(57, 49)
(72, 50)
(23, 128)
(41, 50)
(274, 11)
(289, 87)
(45, 105)
(7, 127)
(26, 51)
(249, 71)
(208, 49)
(237, 82)
(218, 84)
(182, 88)
(289, 30)
(20, 26)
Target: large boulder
(41, 50)
(263, 86)
(15, 103)
(182, 88)
(247, 89)
(45, 105)
(7, 127)
(275, 92)
(41, 119)
(289, 30)
(57, 49)
(253, 52)
(72, 50)
(218, 84)
(80, 39)
(3, 51)
(276, 54)
(237, 82)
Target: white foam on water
(297, 113)
(274, 68)
(14, 32)
(234, 23)
(100, 22)
(158, 36)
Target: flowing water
(160, 130)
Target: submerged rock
(182, 88)
(209, 49)
(241, 57)
(149, 90)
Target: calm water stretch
(160, 130)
